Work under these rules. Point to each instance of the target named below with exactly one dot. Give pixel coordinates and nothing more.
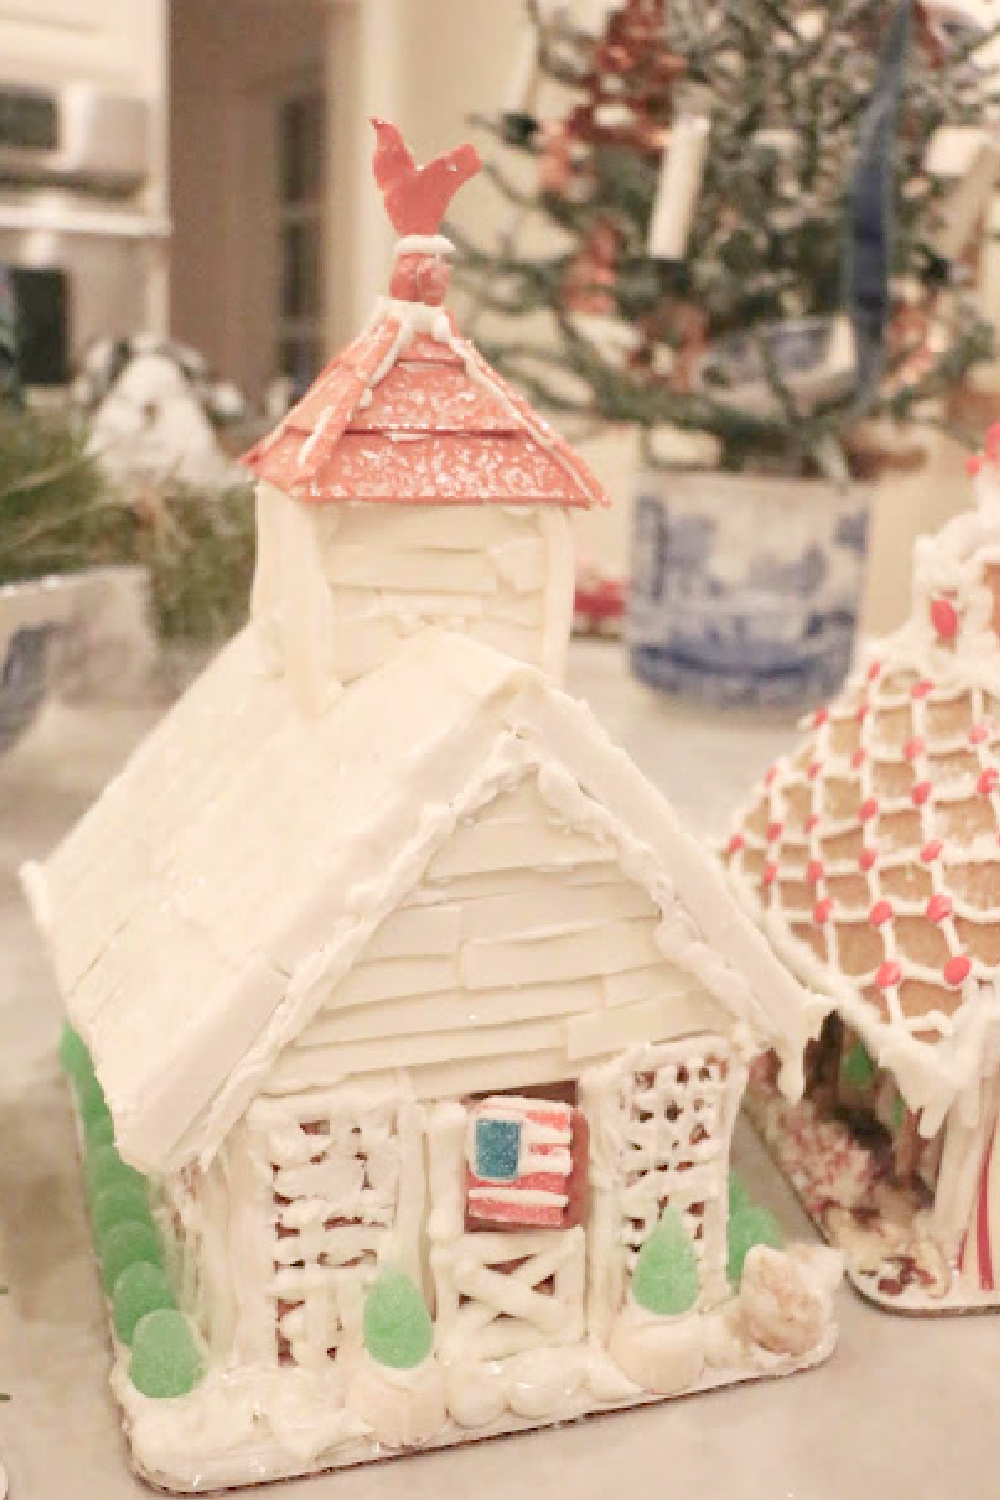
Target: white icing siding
(481, 570)
(523, 956)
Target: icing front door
(508, 1178)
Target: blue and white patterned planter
(745, 591)
(82, 635)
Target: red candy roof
(410, 412)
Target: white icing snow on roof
(203, 909)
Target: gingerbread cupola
(411, 486)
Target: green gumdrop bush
(123, 1246)
(739, 1198)
(92, 1103)
(120, 1203)
(857, 1067)
(104, 1168)
(165, 1359)
(396, 1325)
(98, 1132)
(140, 1289)
(74, 1057)
(666, 1273)
(751, 1226)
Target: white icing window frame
(328, 1290)
(628, 1119)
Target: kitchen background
(215, 187)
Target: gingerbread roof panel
(411, 376)
(433, 398)
(421, 469)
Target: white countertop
(906, 1409)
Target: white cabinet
(100, 40)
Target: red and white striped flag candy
(520, 1160)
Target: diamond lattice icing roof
(871, 854)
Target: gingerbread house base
(877, 1226)
(253, 1427)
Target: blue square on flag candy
(498, 1149)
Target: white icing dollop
(785, 1297)
(403, 1408)
(665, 1355)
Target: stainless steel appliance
(75, 218)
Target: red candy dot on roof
(880, 912)
(889, 974)
(868, 859)
(820, 717)
(939, 907)
(979, 734)
(822, 910)
(920, 793)
(944, 618)
(956, 970)
(922, 689)
(987, 781)
(771, 774)
(858, 759)
(769, 875)
(973, 464)
(774, 832)
(874, 670)
(813, 769)
(812, 822)
(868, 810)
(735, 844)
(814, 871)
(930, 851)
(913, 748)
(862, 712)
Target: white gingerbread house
(412, 968)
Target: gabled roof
(411, 413)
(202, 910)
(871, 854)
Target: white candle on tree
(681, 170)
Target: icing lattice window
(676, 1120)
(334, 1194)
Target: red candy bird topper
(416, 200)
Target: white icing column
(292, 607)
(560, 585)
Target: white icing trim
(423, 244)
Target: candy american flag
(520, 1160)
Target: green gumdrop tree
(749, 1225)
(666, 1272)
(396, 1325)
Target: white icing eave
(268, 890)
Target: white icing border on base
(255, 1441)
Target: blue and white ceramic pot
(745, 590)
(82, 635)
